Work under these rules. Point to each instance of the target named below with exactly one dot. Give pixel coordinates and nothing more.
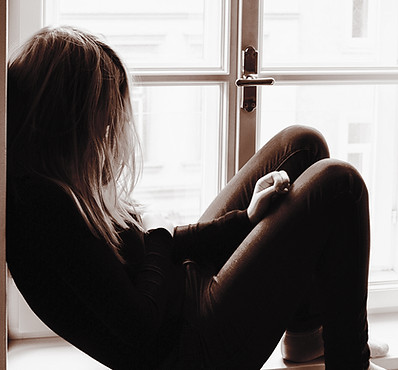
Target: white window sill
(51, 353)
(48, 354)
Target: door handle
(249, 80)
(252, 80)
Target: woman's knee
(341, 177)
(307, 138)
(293, 149)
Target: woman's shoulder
(41, 216)
(37, 196)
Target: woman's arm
(212, 241)
(216, 240)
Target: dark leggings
(304, 265)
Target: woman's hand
(152, 221)
(273, 184)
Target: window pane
(152, 33)
(329, 33)
(360, 124)
(180, 134)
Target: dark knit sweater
(125, 315)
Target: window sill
(48, 353)
(51, 353)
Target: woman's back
(76, 284)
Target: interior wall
(3, 275)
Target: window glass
(329, 33)
(151, 34)
(360, 124)
(179, 128)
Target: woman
(135, 292)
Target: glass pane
(360, 124)
(329, 33)
(152, 33)
(179, 129)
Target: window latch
(250, 80)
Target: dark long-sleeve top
(126, 315)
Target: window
(335, 67)
(180, 122)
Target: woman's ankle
(302, 346)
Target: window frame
(3, 270)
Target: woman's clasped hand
(267, 188)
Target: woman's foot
(377, 349)
(373, 366)
(307, 346)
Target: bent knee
(301, 136)
(338, 168)
(342, 174)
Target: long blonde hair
(69, 109)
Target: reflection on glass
(356, 159)
(360, 18)
(360, 124)
(151, 33)
(359, 133)
(179, 130)
(329, 33)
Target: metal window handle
(252, 80)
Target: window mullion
(330, 76)
(230, 109)
(249, 33)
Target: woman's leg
(293, 150)
(321, 227)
